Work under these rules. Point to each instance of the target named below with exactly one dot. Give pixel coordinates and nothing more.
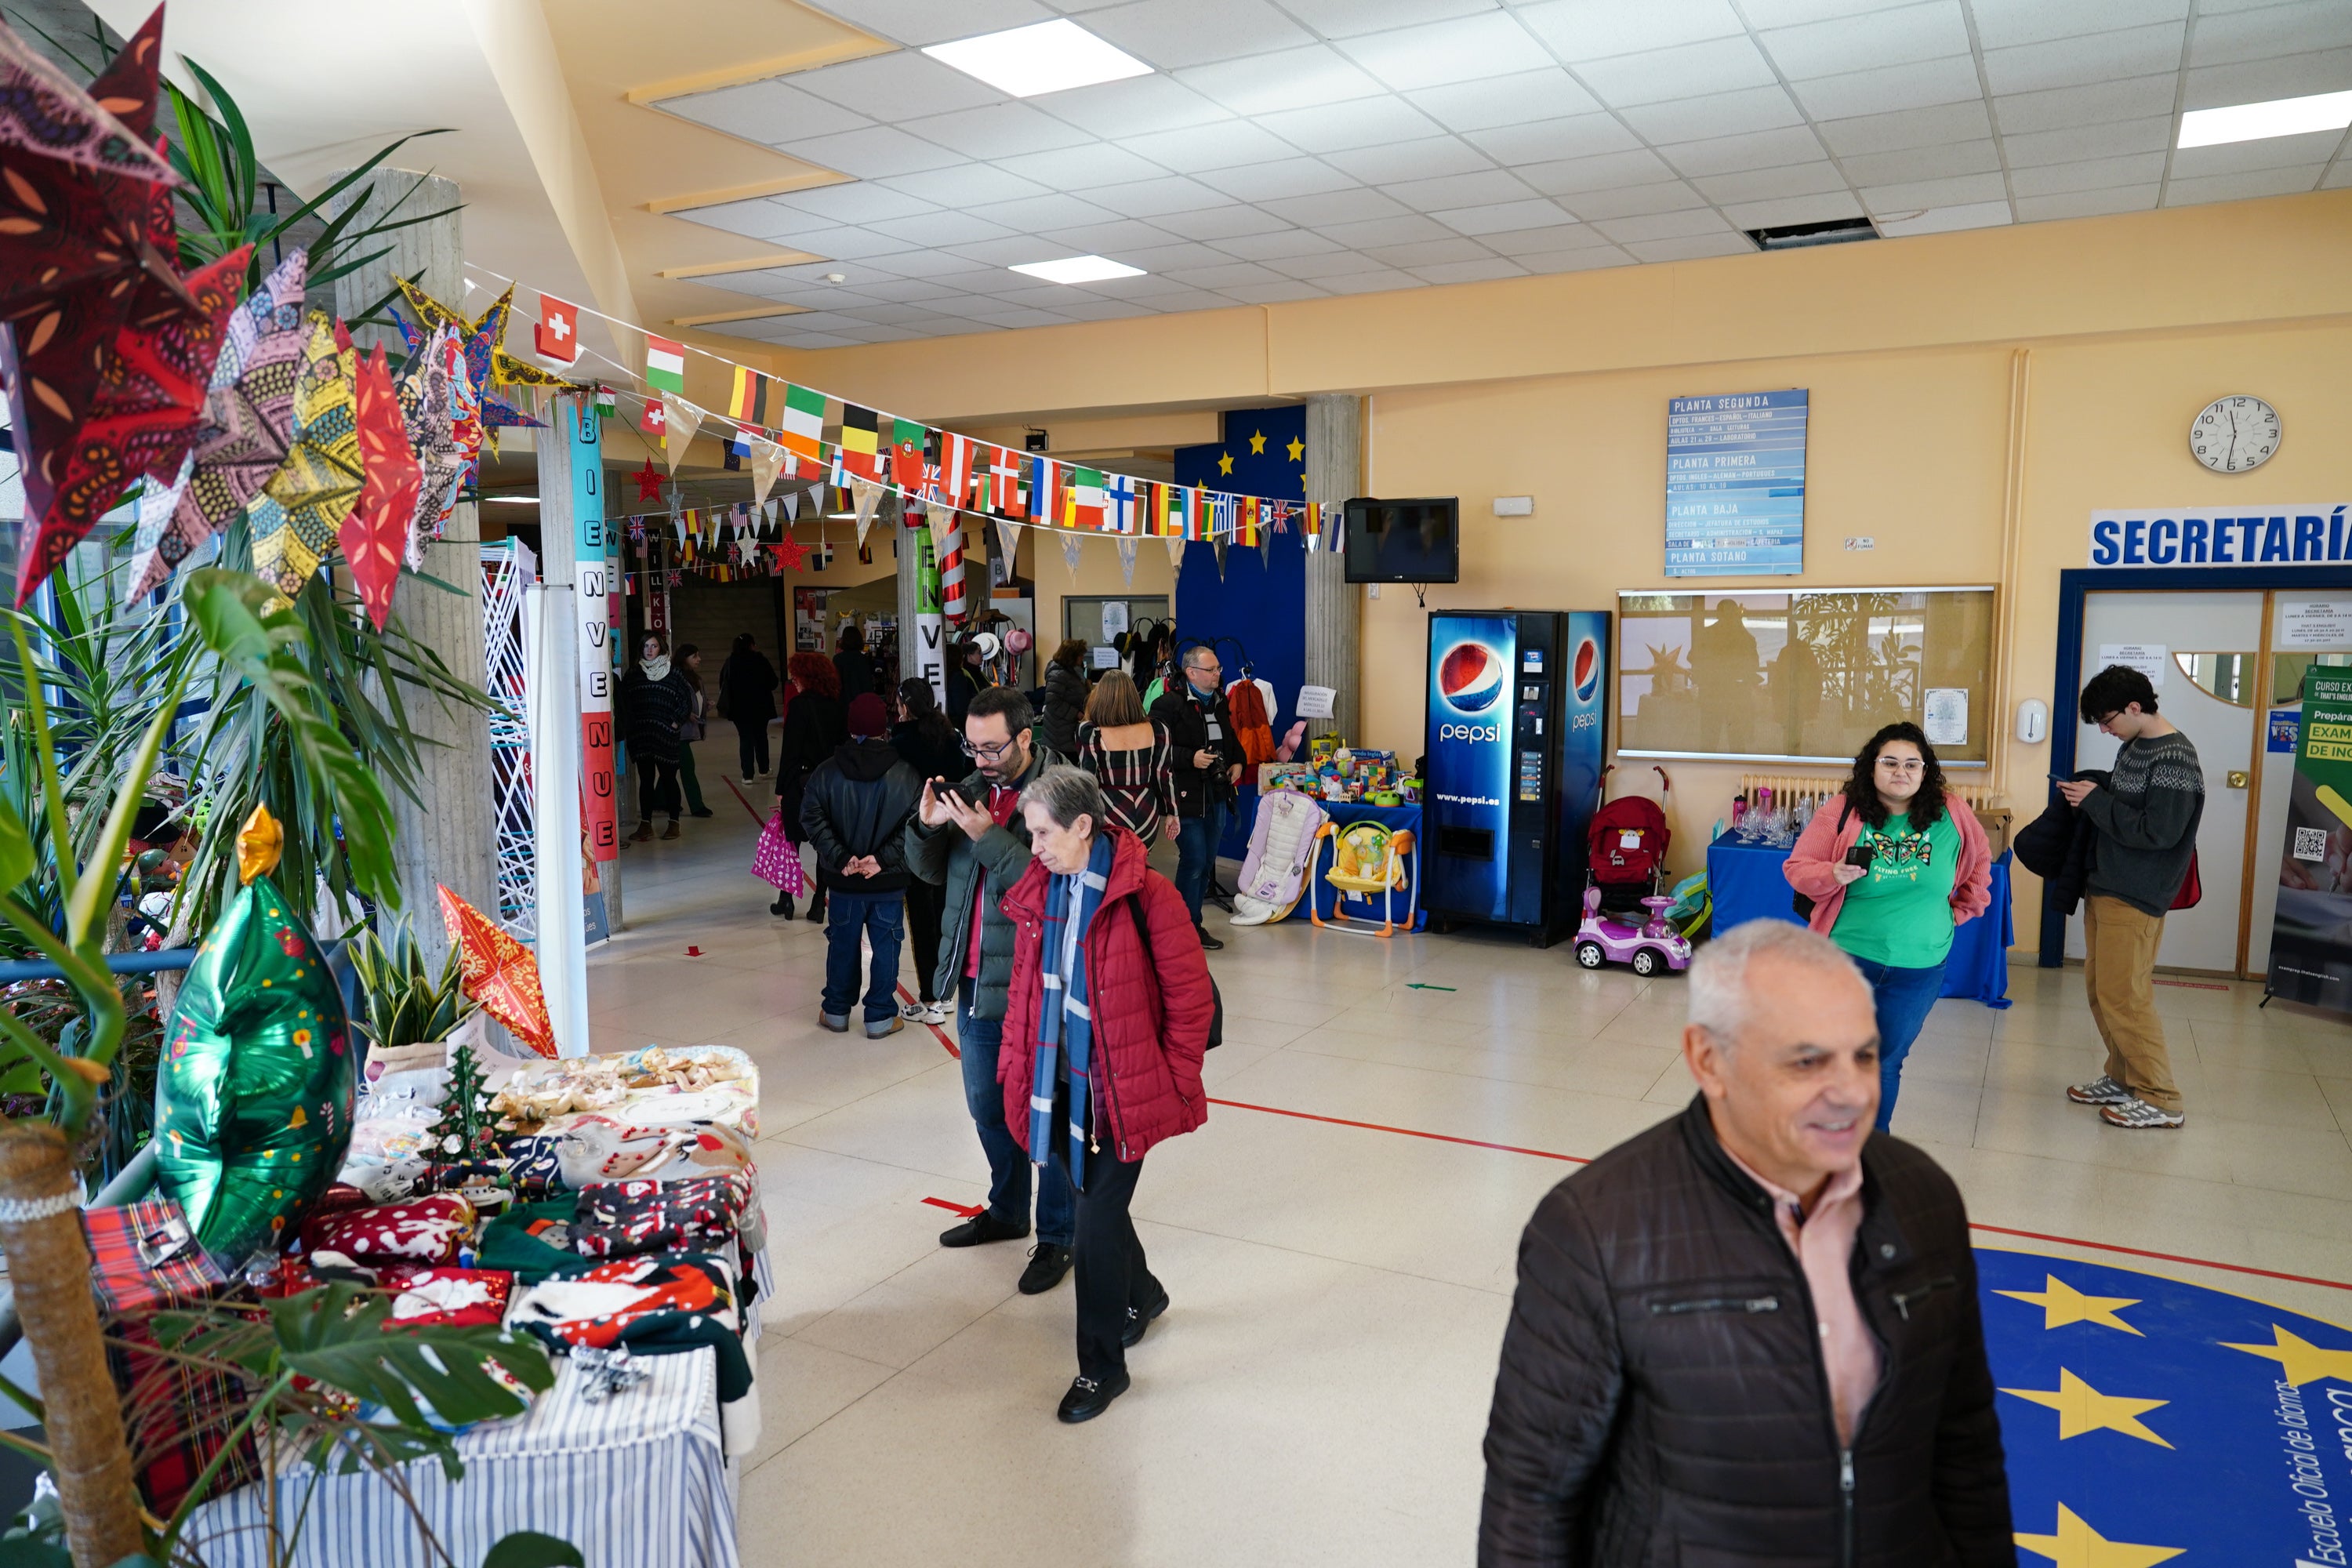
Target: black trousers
(926, 902)
(1112, 1275)
(751, 746)
(656, 787)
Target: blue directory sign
(1735, 485)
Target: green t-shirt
(1900, 913)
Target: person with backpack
(854, 810)
(1890, 872)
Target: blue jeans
(1903, 998)
(1196, 853)
(1008, 1167)
(881, 917)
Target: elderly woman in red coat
(1108, 1015)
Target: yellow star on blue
(2082, 1408)
(2062, 1304)
(2299, 1360)
(1225, 462)
(1297, 450)
(1257, 442)
(2075, 1544)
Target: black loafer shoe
(981, 1228)
(1047, 1264)
(1090, 1397)
(1136, 1321)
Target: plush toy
(253, 1103)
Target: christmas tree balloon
(253, 1105)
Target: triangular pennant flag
(680, 419)
(792, 501)
(1070, 554)
(941, 519)
(1175, 554)
(1008, 535)
(1219, 547)
(767, 459)
(869, 500)
(1126, 561)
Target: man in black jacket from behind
(1751, 1335)
(1207, 762)
(854, 811)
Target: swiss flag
(557, 336)
(654, 421)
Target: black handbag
(1217, 1016)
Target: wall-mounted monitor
(1404, 540)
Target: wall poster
(1735, 484)
(2311, 934)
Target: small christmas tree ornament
(466, 1135)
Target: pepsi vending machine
(1515, 738)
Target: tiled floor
(1317, 1392)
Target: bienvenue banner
(2307, 534)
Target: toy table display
(1362, 907)
(1745, 883)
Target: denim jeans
(880, 917)
(1903, 998)
(1196, 853)
(1008, 1166)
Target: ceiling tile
(1665, 225)
(1947, 220)
(1283, 177)
(1280, 244)
(1099, 238)
(1289, 78)
(998, 130)
(2272, 31)
(2290, 76)
(943, 229)
(1720, 114)
(929, 264)
(2338, 176)
(1409, 229)
(1912, 86)
(1897, 36)
(1018, 316)
(1535, 241)
(1736, 155)
(1501, 217)
(1761, 185)
(1345, 18)
(1924, 164)
(1149, 198)
(1430, 252)
(871, 153)
(1575, 136)
(1225, 275)
(1583, 260)
(1273, 293)
(1331, 264)
(1224, 145)
(1607, 171)
(2086, 203)
(2141, 98)
(1195, 32)
(965, 184)
(1167, 258)
(1363, 122)
(1467, 49)
(856, 202)
(1690, 248)
(1514, 99)
(916, 316)
(2003, 23)
(1074, 168)
(797, 340)
(1181, 297)
(1381, 282)
(2075, 143)
(2089, 174)
(1034, 215)
(1135, 107)
(905, 291)
(1828, 207)
(1041, 296)
(897, 85)
(1767, 14)
(1423, 159)
(1460, 191)
(759, 219)
(1634, 200)
(2271, 152)
(1335, 207)
(1105, 310)
(1219, 224)
(1717, 65)
(849, 244)
(1913, 195)
(765, 112)
(1470, 271)
(1595, 29)
(2079, 62)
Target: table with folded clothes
(617, 1221)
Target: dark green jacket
(945, 855)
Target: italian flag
(803, 425)
(665, 363)
(1084, 506)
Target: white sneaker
(2138, 1113)
(915, 1012)
(936, 1013)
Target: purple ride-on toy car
(1649, 947)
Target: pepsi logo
(1585, 670)
(1470, 677)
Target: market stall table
(1395, 818)
(1745, 883)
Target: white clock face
(2235, 434)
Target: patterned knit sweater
(2147, 819)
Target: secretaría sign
(2305, 534)
(2311, 934)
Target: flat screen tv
(1404, 540)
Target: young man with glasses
(2146, 816)
(1208, 765)
(969, 836)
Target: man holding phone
(969, 836)
(1208, 765)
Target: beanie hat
(868, 716)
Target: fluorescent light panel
(1045, 57)
(2257, 121)
(1079, 270)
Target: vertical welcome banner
(592, 600)
(931, 627)
(2311, 935)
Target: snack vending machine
(1515, 735)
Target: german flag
(747, 402)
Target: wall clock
(2233, 435)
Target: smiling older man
(1750, 1335)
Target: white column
(552, 616)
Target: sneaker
(2136, 1113)
(834, 1023)
(1047, 1264)
(1138, 1320)
(981, 1228)
(1090, 1397)
(1208, 942)
(877, 1027)
(2100, 1091)
(937, 1013)
(915, 1011)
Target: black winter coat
(652, 712)
(2061, 845)
(1185, 715)
(929, 757)
(855, 803)
(1663, 1399)
(747, 689)
(813, 728)
(1066, 706)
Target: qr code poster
(2311, 844)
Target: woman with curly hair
(1891, 871)
(815, 722)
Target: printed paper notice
(1114, 616)
(1946, 715)
(1106, 657)
(2314, 622)
(2148, 658)
(1315, 701)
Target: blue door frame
(2064, 722)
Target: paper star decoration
(2299, 1360)
(487, 363)
(1257, 442)
(296, 514)
(649, 481)
(2077, 1545)
(443, 423)
(2062, 1304)
(500, 974)
(789, 554)
(42, 111)
(1225, 462)
(2082, 1408)
(1297, 449)
(375, 536)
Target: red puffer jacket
(1151, 1011)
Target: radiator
(1788, 789)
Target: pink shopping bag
(777, 862)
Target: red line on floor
(967, 1210)
(2194, 985)
(739, 795)
(936, 1033)
(1973, 1224)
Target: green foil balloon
(253, 1106)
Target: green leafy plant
(403, 1000)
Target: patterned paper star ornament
(445, 431)
(43, 113)
(499, 972)
(487, 363)
(2077, 1545)
(295, 517)
(375, 536)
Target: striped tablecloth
(638, 1480)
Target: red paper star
(376, 534)
(649, 481)
(789, 554)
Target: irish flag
(803, 425)
(665, 363)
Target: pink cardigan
(1811, 866)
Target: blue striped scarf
(1064, 1021)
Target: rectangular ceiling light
(2255, 122)
(1045, 57)
(1079, 270)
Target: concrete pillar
(449, 834)
(1335, 466)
